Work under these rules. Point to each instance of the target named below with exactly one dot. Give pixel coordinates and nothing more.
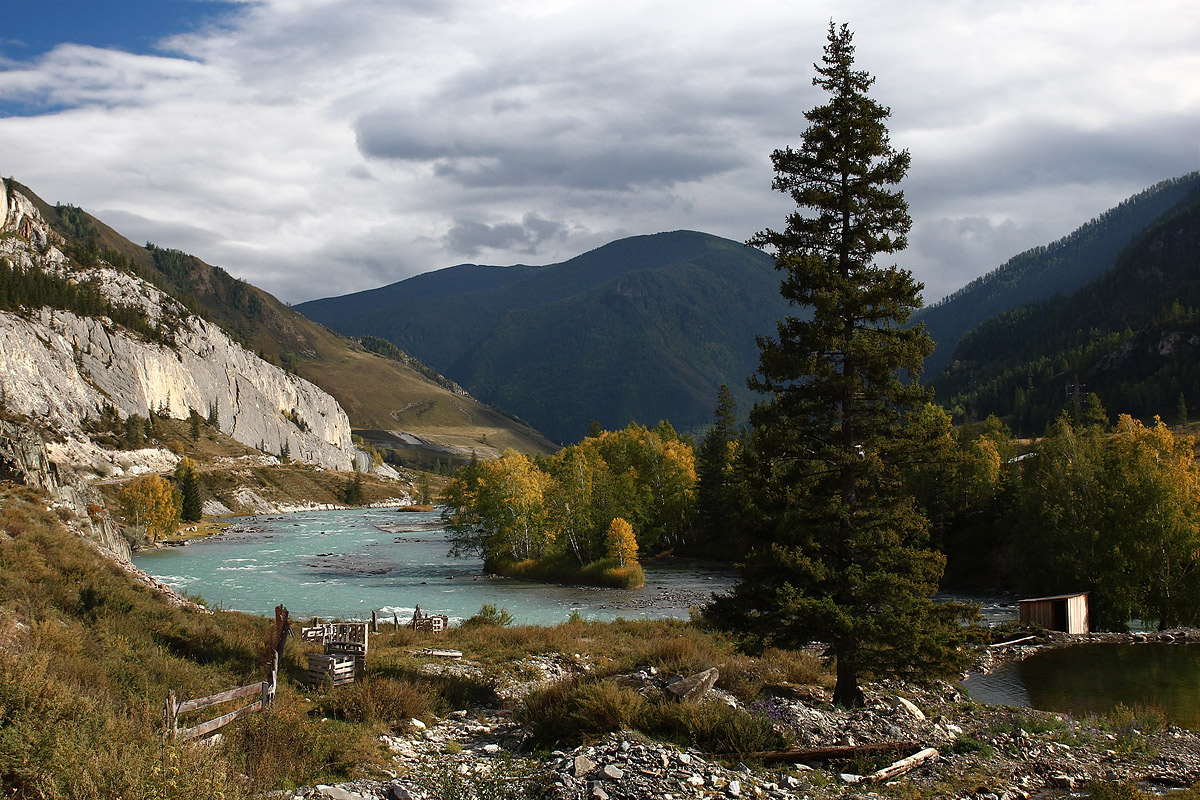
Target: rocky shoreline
(982, 752)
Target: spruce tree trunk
(846, 692)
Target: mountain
(1038, 274)
(1131, 337)
(641, 329)
(390, 397)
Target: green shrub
(375, 700)
(573, 710)
(490, 616)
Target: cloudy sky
(319, 147)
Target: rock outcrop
(24, 459)
(64, 369)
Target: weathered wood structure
(1063, 612)
(334, 669)
(348, 641)
(434, 623)
(264, 690)
(174, 710)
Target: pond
(1093, 678)
(348, 563)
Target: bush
(490, 616)
(375, 700)
(570, 711)
(714, 726)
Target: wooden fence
(265, 690)
(175, 710)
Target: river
(346, 564)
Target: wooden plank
(1010, 641)
(435, 653)
(205, 728)
(222, 697)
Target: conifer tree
(187, 480)
(716, 490)
(843, 556)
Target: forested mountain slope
(378, 392)
(1038, 274)
(1132, 337)
(642, 329)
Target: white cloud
(318, 147)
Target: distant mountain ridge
(1131, 337)
(378, 393)
(641, 329)
(1038, 274)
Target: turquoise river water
(346, 564)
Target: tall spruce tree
(716, 490)
(187, 480)
(842, 554)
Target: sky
(321, 147)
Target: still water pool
(347, 564)
(1093, 678)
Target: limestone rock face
(62, 369)
(24, 459)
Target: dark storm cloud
(469, 238)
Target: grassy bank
(86, 659)
(605, 572)
(87, 656)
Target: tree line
(584, 513)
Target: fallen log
(831, 753)
(900, 767)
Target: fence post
(171, 715)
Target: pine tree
(187, 480)
(844, 559)
(716, 490)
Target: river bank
(982, 752)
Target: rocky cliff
(63, 369)
(25, 459)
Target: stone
(583, 766)
(598, 793)
(734, 789)
(613, 772)
(337, 793)
(401, 793)
(694, 687)
(911, 708)
(491, 749)
(416, 723)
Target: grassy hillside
(377, 392)
(642, 329)
(1043, 272)
(1132, 338)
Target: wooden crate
(338, 669)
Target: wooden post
(395, 621)
(374, 622)
(171, 713)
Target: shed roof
(1053, 597)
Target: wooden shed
(1063, 612)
